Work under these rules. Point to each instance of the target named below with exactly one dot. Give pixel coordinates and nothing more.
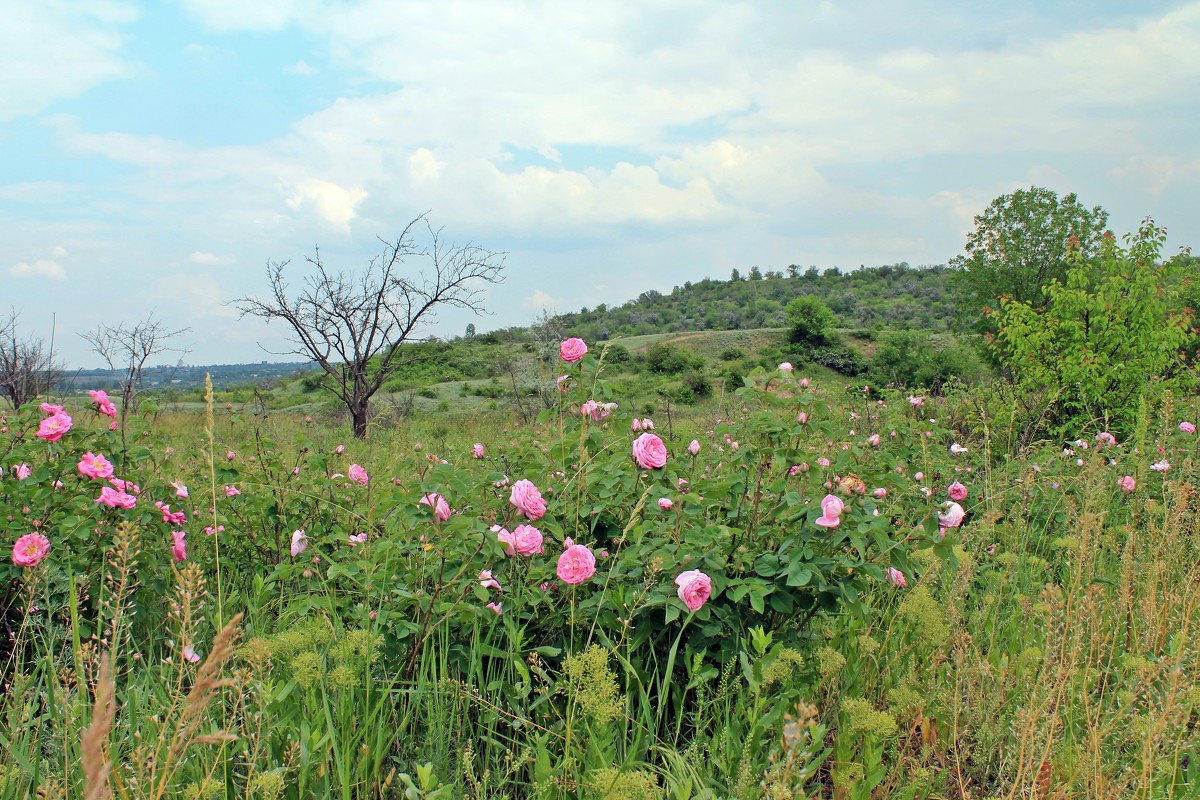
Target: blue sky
(155, 155)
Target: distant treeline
(893, 296)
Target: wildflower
(649, 451)
(916, 402)
(831, 511)
(576, 564)
(477, 450)
(441, 509)
(497, 607)
(103, 404)
(1187, 427)
(95, 466)
(357, 539)
(665, 503)
(896, 578)
(230, 455)
(30, 549)
(181, 489)
(357, 474)
(179, 547)
(170, 517)
(694, 588)
(918, 476)
(1127, 484)
(487, 581)
(694, 447)
(953, 516)
(232, 491)
(957, 449)
(785, 367)
(1161, 466)
(299, 542)
(572, 350)
(116, 498)
(527, 499)
(53, 427)
(957, 491)
(190, 655)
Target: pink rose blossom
(487, 581)
(179, 548)
(112, 426)
(1161, 466)
(694, 447)
(299, 542)
(649, 451)
(51, 409)
(53, 427)
(1105, 439)
(95, 466)
(953, 517)
(357, 538)
(919, 476)
(341, 448)
(802, 417)
(576, 564)
(103, 404)
(916, 402)
(831, 511)
(824, 462)
(1127, 484)
(785, 366)
(1187, 427)
(528, 500)
(665, 503)
(170, 517)
(896, 578)
(636, 425)
(694, 588)
(957, 491)
(357, 474)
(181, 489)
(116, 498)
(477, 450)
(528, 540)
(873, 440)
(647, 424)
(880, 492)
(230, 456)
(957, 448)
(190, 655)
(125, 486)
(441, 509)
(571, 350)
(30, 549)
(804, 383)
(232, 491)
(505, 538)
(496, 607)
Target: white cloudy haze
(154, 156)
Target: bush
(908, 359)
(668, 359)
(811, 321)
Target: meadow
(799, 586)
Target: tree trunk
(358, 413)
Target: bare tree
(126, 350)
(353, 326)
(27, 367)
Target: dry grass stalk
(94, 742)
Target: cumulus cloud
(331, 202)
(38, 269)
(538, 301)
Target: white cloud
(210, 259)
(333, 203)
(58, 251)
(38, 269)
(301, 67)
(538, 301)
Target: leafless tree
(27, 366)
(127, 350)
(353, 325)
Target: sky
(156, 156)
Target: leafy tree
(1114, 324)
(810, 320)
(756, 274)
(354, 325)
(1020, 244)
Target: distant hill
(188, 376)
(889, 296)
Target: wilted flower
(487, 581)
(896, 578)
(179, 547)
(299, 542)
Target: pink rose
(179, 548)
(873, 440)
(441, 509)
(665, 503)
(824, 462)
(181, 489)
(831, 511)
(636, 425)
(1187, 427)
(51, 409)
(477, 450)
(561, 382)
(957, 491)
(880, 492)
(571, 350)
(487, 581)
(231, 455)
(341, 448)
(116, 498)
(232, 491)
(802, 417)
(528, 540)
(804, 383)
(1105, 439)
(1127, 484)
(53, 427)
(22, 471)
(649, 451)
(121, 485)
(357, 474)
(357, 538)
(694, 447)
(916, 402)
(896, 578)
(190, 655)
(528, 500)
(647, 424)
(299, 542)
(1161, 466)
(576, 564)
(785, 366)
(95, 466)
(30, 549)
(694, 588)
(953, 516)
(505, 538)
(498, 608)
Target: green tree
(1020, 244)
(1116, 323)
(810, 320)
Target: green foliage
(908, 359)
(1114, 325)
(1021, 243)
(810, 320)
(669, 359)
